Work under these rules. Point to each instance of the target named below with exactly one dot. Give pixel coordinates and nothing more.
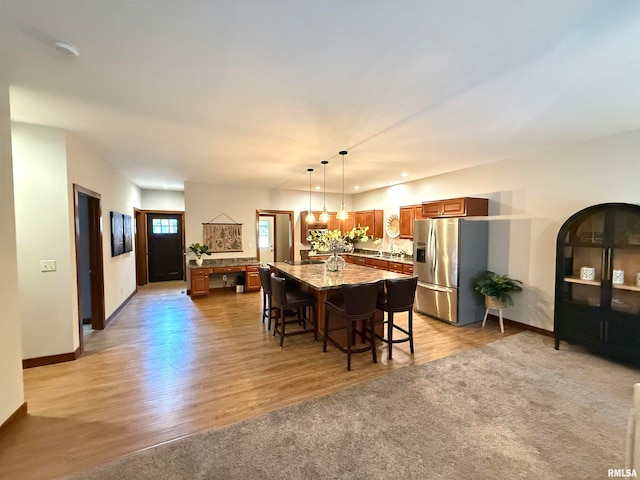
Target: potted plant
(199, 251)
(497, 289)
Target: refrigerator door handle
(432, 249)
(436, 287)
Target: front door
(165, 246)
(266, 238)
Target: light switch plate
(47, 265)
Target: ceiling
(255, 92)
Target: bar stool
(265, 272)
(295, 300)
(399, 297)
(358, 302)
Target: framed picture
(223, 237)
(128, 233)
(117, 234)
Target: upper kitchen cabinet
(456, 207)
(597, 301)
(407, 215)
(374, 219)
(334, 223)
(305, 227)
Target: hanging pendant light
(311, 218)
(342, 213)
(324, 216)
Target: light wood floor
(168, 366)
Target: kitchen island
(315, 279)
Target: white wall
(11, 386)
(205, 202)
(162, 200)
(48, 163)
(87, 169)
(48, 309)
(530, 200)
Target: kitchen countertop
(317, 277)
(386, 256)
(224, 262)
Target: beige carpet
(514, 409)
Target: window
(263, 234)
(163, 226)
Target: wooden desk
(199, 277)
(315, 279)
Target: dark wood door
(164, 247)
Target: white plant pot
(199, 261)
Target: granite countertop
(224, 262)
(317, 277)
(408, 260)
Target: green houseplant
(499, 287)
(199, 251)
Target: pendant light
(342, 213)
(311, 218)
(324, 216)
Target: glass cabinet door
(625, 262)
(583, 264)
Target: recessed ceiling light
(356, 187)
(404, 174)
(318, 187)
(66, 48)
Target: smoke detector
(66, 48)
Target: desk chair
(357, 303)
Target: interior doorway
(274, 235)
(89, 267)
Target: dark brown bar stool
(265, 281)
(399, 297)
(358, 302)
(291, 300)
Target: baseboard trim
(521, 326)
(51, 359)
(68, 357)
(13, 418)
(119, 309)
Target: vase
(199, 261)
(335, 263)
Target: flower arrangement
(334, 242)
(199, 250)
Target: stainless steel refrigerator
(448, 255)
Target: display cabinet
(597, 298)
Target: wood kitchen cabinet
(407, 215)
(456, 207)
(374, 219)
(396, 267)
(252, 279)
(305, 227)
(199, 282)
(376, 263)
